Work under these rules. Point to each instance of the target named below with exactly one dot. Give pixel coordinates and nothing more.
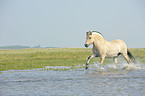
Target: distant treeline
(21, 47)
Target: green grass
(21, 59)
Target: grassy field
(20, 59)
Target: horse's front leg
(102, 59)
(88, 60)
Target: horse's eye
(89, 37)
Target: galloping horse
(103, 48)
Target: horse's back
(119, 43)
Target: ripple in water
(123, 80)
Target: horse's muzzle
(86, 45)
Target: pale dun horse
(103, 48)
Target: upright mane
(98, 33)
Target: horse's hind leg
(126, 57)
(115, 59)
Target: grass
(21, 59)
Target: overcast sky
(63, 23)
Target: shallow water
(125, 80)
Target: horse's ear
(90, 33)
(87, 33)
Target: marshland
(21, 59)
(61, 72)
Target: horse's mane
(98, 32)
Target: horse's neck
(99, 42)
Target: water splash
(133, 66)
(120, 66)
(101, 68)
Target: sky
(64, 23)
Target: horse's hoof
(86, 68)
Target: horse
(102, 48)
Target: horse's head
(89, 39)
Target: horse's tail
(131, 56)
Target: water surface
(125, 80)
